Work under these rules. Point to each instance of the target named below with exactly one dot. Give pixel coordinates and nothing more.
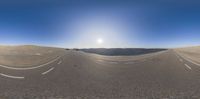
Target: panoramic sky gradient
(100, 23)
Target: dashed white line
(189, 60)
(59, 62)
(188, 66)
(177, 55)
(9, 76)
(47, 71)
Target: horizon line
(13, 45)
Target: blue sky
(119, 23)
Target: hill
(121, 51)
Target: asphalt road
(78, 75)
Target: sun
(99, 40)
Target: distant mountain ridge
(121, 51)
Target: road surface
(78, 75)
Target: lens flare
(99, 40)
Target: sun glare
(99, 40)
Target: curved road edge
(186, 58)
(33, 67)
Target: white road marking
(59, 62)
(181, 60)
(100, 60)
(177, 55)
(129, 62)
(38, 54)
(27, 68)
(188, 66)
(107, 61)
(189, 60)
(47, 71)
(9, 76)
(113, 62)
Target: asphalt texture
(79, 75)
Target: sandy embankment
(191, 53)
(27, 56)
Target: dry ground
(192, 53)
(79, 75)
(26, 56)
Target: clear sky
(100, 23)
